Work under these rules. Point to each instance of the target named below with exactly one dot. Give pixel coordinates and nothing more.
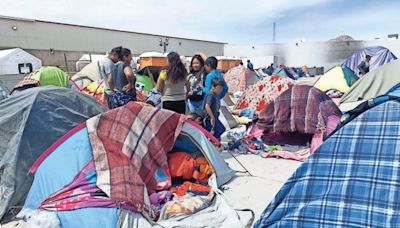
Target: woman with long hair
(122, 80)
(196, 80)
(171, 83)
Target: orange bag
(181, 165)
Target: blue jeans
(219, 128)
(193, 105)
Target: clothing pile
(248, 143)
(189, 191)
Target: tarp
(337, 78)
(352, 180)
(239, 78)
(29, 123)
(3, 92)
(373, 84)
(56, 173)
(379, 56)
(263, 92)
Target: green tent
(52, 76)
(145, 81)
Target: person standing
(196, 76)
(106, 66)
(173, 84)
(363, 67)
(122, 80)
(270, 69)
(250, 65)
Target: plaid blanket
(352, 180)
(129, 145)
(27, 82)
(303, 109)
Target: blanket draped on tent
(263, 92)
(128, 148)
(352, 180)
(301, 109)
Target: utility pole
(164, 44)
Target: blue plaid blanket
(352, 180)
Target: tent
(87, 59)
(296, 115)
(43, 77)
(90, 73)
(379, 56)
(29, 123)
(263, 92)
(352, 180)
(51, 76)
(286, 72)
(53, 175)
(337, 78)
(239, 78)
(143, 76)
(372, 84)
(89, 81)
(18, 61)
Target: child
(198, 116)
(211, 106)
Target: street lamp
(164, 44)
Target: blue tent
(352, 180)
(379, 56)
(30, 122)
(53, 173)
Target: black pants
(176, 106)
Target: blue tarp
(352, 180)
(379, 56)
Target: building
(320, 54)
(62, 45)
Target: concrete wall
(39, 35)
(325, 54)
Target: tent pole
(247, 171)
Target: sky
(230, 21)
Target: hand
(127, 88)
(212, 120)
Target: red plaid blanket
(129, 144)
(302, 109)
